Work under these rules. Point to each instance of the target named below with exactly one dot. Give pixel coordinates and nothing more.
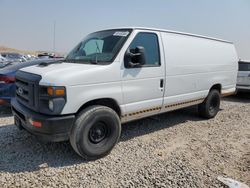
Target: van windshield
(99, 47)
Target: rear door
(143, 87)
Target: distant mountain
(7, 49)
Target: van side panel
(194, 65)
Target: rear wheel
(211, 106)
(96, 131)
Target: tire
(96, 131)
(211, 106)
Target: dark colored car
(7, 79)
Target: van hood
(71, 74)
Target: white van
(119, 75)
(243, 81)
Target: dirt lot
(176, 149)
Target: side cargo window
(150, 43)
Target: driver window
(150, 42)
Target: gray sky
(28, 24)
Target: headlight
(51, 105)
(52, 99)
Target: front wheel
(96, 131)
(211, 106)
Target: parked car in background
(3, 64)
(14, 57)
(243, 81)
(45, 55)
(7, 79)
(6, 64)
(2, 59)
(29, 57)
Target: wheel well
(111, 103)
(217, 87)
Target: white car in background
(243, 81)
(13, 57)
(2, 59)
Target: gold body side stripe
(177, 105)
(184, 103)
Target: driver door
(143, 86)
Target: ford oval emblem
(20, 91)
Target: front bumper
(52, 129)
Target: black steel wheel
(96, 131)
(211, 106)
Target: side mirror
(135, 58)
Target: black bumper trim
(54, 128)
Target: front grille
(27, 89)
(23, 90)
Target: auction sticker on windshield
(121, 33)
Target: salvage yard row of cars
(116, 76)
(7, 58)
(10, 63)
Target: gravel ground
(176, 149)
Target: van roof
(175, 32)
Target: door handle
(161, 83)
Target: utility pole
(54, 40)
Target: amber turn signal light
(55, 91)
(59, 92)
